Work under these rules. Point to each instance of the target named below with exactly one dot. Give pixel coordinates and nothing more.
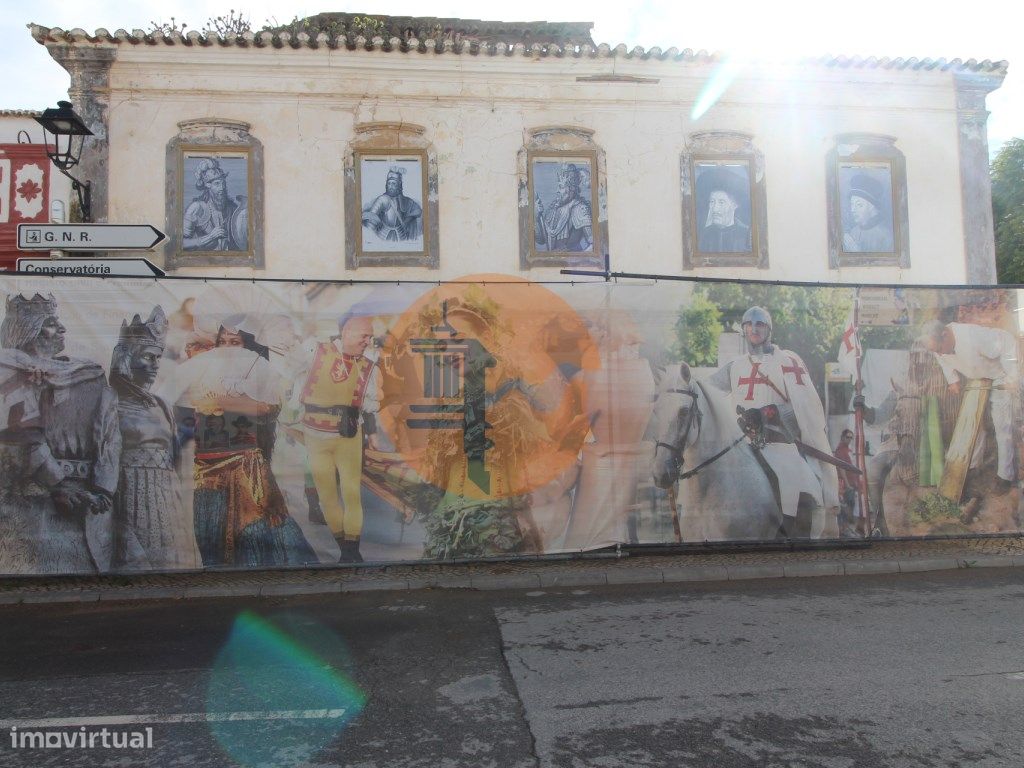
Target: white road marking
(181, 717)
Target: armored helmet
(758, 315)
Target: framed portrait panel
(215, 196)
(867, 201)
(564, 198)
(216, 190)
(722, 207)
(865, 190)
(391, 197)
(391, 190)
(724, 211)
(563, 218)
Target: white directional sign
(88, 237)
(125, 267)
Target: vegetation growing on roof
(349, 26)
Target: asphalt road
(913, 670)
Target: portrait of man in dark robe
(723, 207)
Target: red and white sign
(24, 194)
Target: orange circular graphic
(479, 392)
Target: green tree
(696, 332)
(806, 319)
(1008, 211)
(809, 320)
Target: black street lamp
(65, 125)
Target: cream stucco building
(476, 105)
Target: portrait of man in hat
(217, 218)
(867, 221)
(723, 208)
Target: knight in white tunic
(769, 376)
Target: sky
(758, 28)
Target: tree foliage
(696, 332)
(1008, 211)
(806, 319)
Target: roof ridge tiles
(465, 41)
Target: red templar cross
(752, 380)
(795, 369)
(849, 337)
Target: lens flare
(719, 82)
(281, 701)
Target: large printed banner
(181, 424)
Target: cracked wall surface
(305, 105)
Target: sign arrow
(115, 267)
(88, 237)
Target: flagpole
(862, 495)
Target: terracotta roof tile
(485, 43)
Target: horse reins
(678, 452)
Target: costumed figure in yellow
(339, 405)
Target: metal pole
(862, 495)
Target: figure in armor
(152, 528)
(393, 216)
(778, 404)
(59, 447)
(566, 224)
(211, 221)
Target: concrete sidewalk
(634, 567)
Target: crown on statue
(152, 332)
(37, 305)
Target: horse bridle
(677, 452)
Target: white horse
(730, 496)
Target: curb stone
(571, 579)
(863, 567)
(695, 573)
(506, 581)
(767, 571)
(380, 585)
(450, 582)
(635, 576)
(67, 596)
(990, 561)
(888, 558)
(144, 593)
(316, 588)
(224, 590)
(929, 564)
(818, 568)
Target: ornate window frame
(391, 140)
(558, 143)
(213, 136)
(870, 151)
(723, 148)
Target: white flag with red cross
(849, 347)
